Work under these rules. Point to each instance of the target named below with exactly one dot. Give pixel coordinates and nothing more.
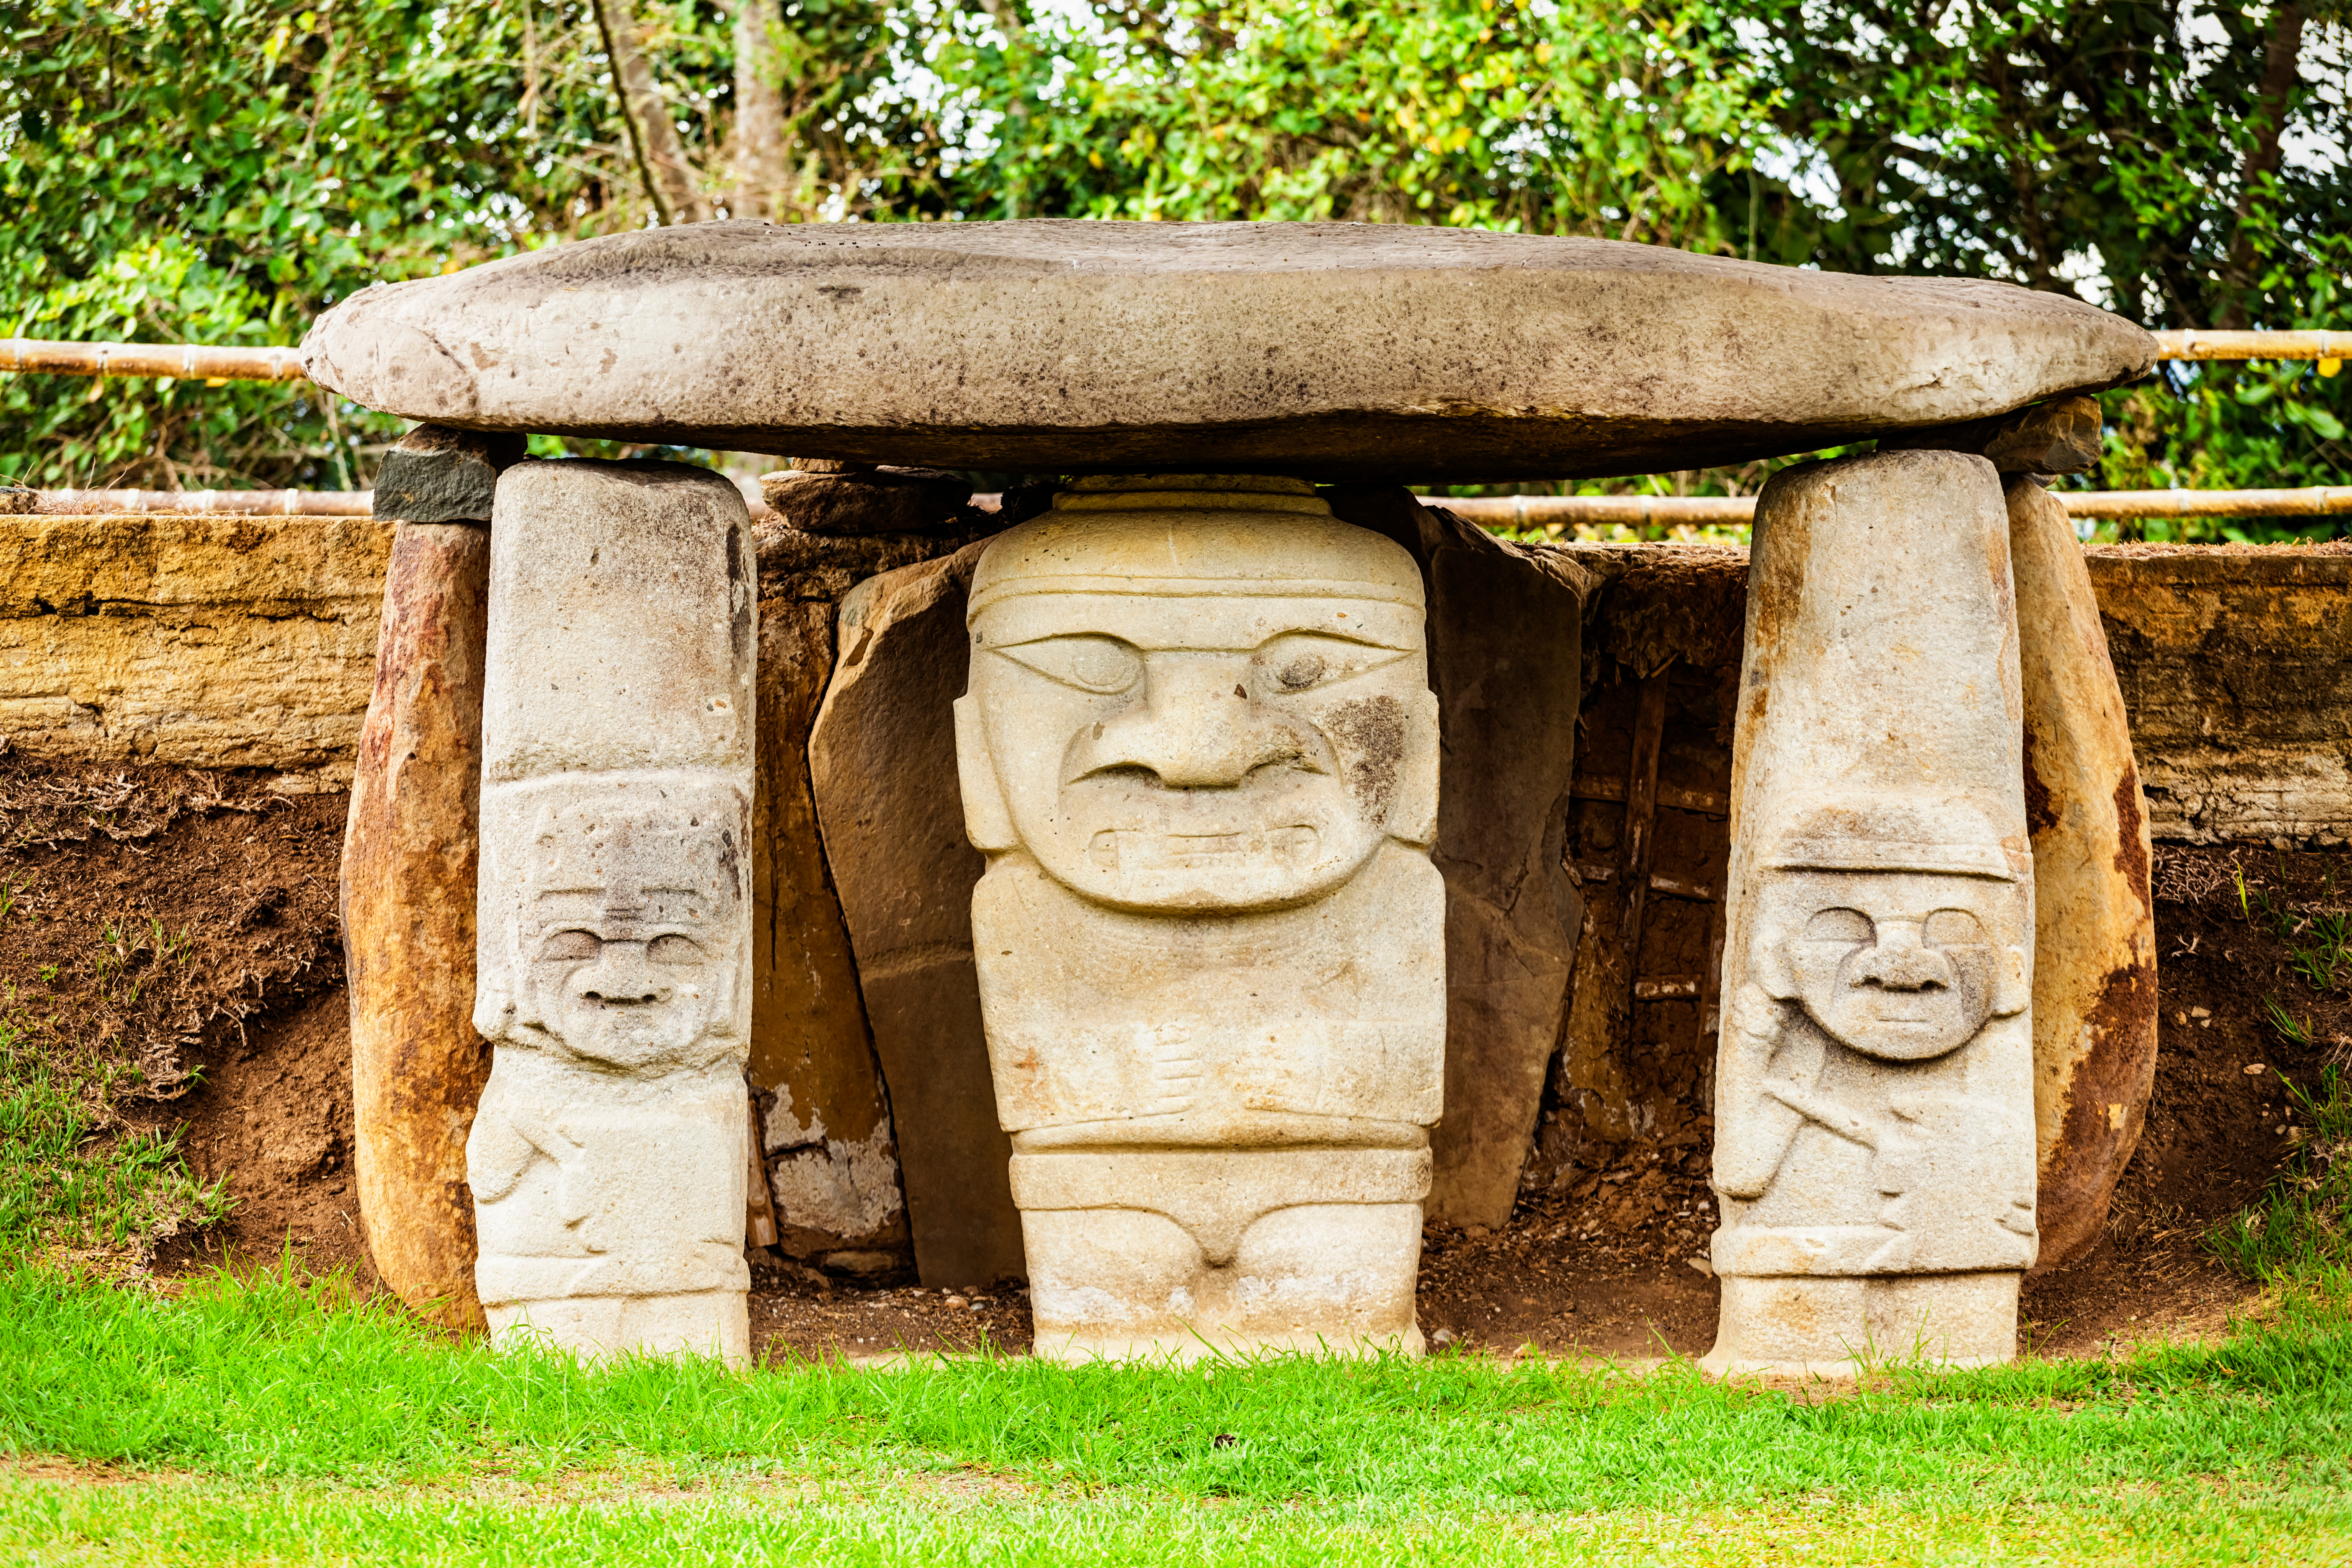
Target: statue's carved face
(1900, 965)
(1207, 752)
(625, 942)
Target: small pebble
(2254, 1069)
(1442, 1337)
(957, 1301)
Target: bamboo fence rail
(1536, 511)
(2328, 348)
(183, 362)
(1518, 512)
(194, 361)
(247, 503)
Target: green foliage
(218, 171)
(1598, 116)
(2154, 158)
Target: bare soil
(245, 1046)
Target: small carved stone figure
(1874, 1145)
(608, 1158)
(1200, 752)
(1879, 1029)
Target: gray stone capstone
(1330, 351)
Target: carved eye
(1301, 661)
(1098, 664)
(571, 947)
(674, 949)
(1953, 928)
(1839, 925)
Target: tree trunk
(2279, 63)
(762, 167)
(669, 179)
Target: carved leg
(1186, 1253)
(609, 1158)
(1875, 1108)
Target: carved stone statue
(1874, 1144)
(1200, 750)
(608, 1158)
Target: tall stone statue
(1875, 1095)
(608, 1158)
(1200, 750)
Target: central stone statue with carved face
(1200, 752)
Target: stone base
(1833, 1326)
(1182, 1254)
(702, 1322)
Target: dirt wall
(138, 646)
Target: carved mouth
(1291, 845)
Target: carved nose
(622, 977)
(1196, 727)
(1900, 962)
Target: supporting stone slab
(409, 856)
(829, 1157)
(2094, 1005)
(608, 1158)
(1506, 647)
(1875, 1088)
(882, 767)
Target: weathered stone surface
(1505, 630)
(1874, 1090)
(608, 1158)
(2060, 436)
(2235, 663)
(2095, 1008)
(1200, 752)
(882, 763)
(210, 641)
(1332, 351)
(827, 1154)
(437, 474)
(866, 500)
(408, 885)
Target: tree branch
(2280, 57)
(653, 136)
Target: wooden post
(1642, 811)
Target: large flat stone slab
(1328, 350)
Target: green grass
(2302, 1226)
(303, 1427)
(70, 1181)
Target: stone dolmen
(1251, 988)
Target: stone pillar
(608, 1159)
(2095, 949)
(1875, 1095)
(1199, 752)
(417, 1065)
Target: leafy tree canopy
(219, 171)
